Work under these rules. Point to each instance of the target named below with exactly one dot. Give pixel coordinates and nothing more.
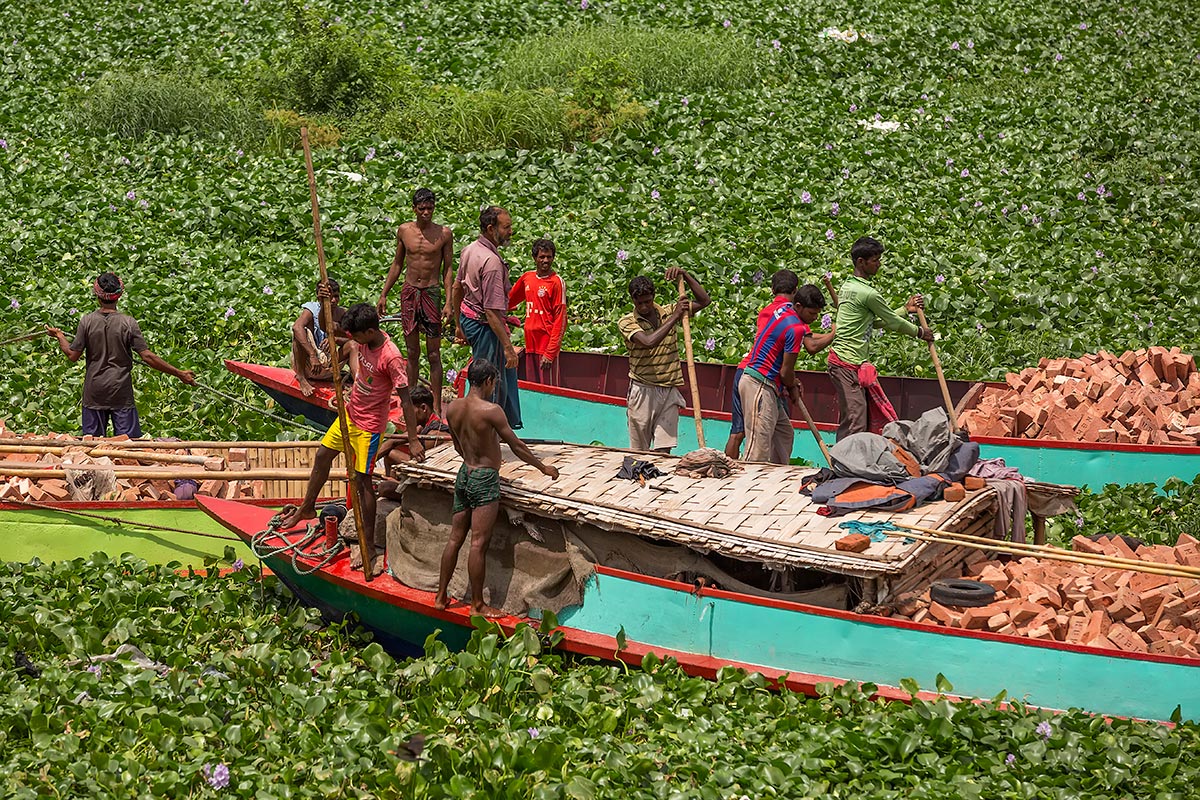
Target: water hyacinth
(1043, 729)
(805, 197)
(229, 312)
(534, 732)
(238, 565)
(131, 195)
(710, 344)
(759, 275)
(654, 195)
(268, 290)
(829, 234)
(622, 255)
(1009, 759)
(939, 278)
(826, 321)
(216, 775)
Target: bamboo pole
(24, 337)
(131, 523)
(691, 364)
(353, 496)
(937, 366)
(59, 472)
(812, 426)
(162, 458)
(1052, 553)
(14, 445)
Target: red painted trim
(150, 505)
(888, 622)
(1053, 444)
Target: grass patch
(136, 104)
(651, 60)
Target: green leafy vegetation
(242, 694)
(1153, 514)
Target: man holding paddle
(855, 379)
(109, 339)
(654, 371)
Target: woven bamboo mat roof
(756, 514)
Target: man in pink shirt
(381, 370)
(481, 291)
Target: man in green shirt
(860, 308)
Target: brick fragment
(852, 543)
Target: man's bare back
(475, 425)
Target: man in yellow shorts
(381, 370)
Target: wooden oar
(24, 337)
(937, 365)
(812, 426)
(691, 363)
(327, 317)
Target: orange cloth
(545, 311)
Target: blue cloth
(485, 345)
(318, 332)
(873, 530)
(737, 421)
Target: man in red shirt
(545, 297)
(380, 371)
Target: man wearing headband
(110, 338)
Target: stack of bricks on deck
(1078, 604)
(55, 489)
(1142, 397)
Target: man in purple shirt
(481, 298)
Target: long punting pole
(937, 365)
(691, 364)
(812, 426)
(354, 470)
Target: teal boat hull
(798, 645)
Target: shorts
(124, 420)
(363, 444)
(737, 419)
(420, 310)
(474, 488)
(653, 416)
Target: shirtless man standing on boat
(477, 426)
(425, 250)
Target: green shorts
(475, 487)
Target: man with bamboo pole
(381, 370)
(109, 339)
(655, 374)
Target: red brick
(852, 543)
(1188, 554)
(1126, 639)
(944, 615)
(975, 619)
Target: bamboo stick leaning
(691, 364)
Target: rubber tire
(961, 592)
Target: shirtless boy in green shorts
(477, 426)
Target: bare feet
(306, 388)
(440, 602)
(487, 611)
(291, 516)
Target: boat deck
(756, 514)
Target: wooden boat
(746, 520)
(589, 406)
(156, 527)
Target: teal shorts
(474, 488)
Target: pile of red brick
(1080, 604)
(1147, 396)
(127, 490)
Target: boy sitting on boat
(311, 342)
(477, 426)
(381, 370)
(654, 371)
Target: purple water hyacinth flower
(878, 118)
(949, 162)
(921, 109)
(534, 732)
(229, 312)
(1058, 56)
(735, 280)
(978, 203)
(3, 144)
(829, 234)
(73, 311)
(217, 775)
(834, 208)
(1025, 70)
(583, 4)
(622, 255)
(656, 151)
(966, 173)
(853, 107)
(1009, 759)
(979, 327)
(370, 154)
(939, 278)
(710, 344)
(1083, 26)
(95, 669)
(268, 290)
(111, 207)
(829, 145)
(726, 23)
(1043, 729)
(144, 203)
(123, 161)
(954, 45)
(654, 195)
(14, 305)
(238, 565)
(845, 172)
(1100, 190)
(131, 195)
(1099, 254)
(712, 181)
(451, 374)
(1036, 220)
(970, 44)
(1081, 196)
(776, 44)
(684, 101)
(826, 320)
(240, 152)
(759, 275)
(828, 275)
(875, 209)
(805, 197)
(1024, 207)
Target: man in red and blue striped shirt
(769, 379)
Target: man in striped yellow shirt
(654, 373)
